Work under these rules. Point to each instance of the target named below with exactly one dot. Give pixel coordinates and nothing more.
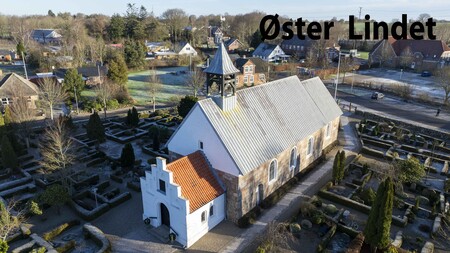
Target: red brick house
(418, 55)
(252, 71)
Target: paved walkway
(284, 209)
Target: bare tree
(196, 80)
(51, 93)
(443, 78)
(154, 86)
(22, 112)
(106, 90)
(10, 219)
(176, 19)
(57, 151)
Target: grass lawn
(88, 93)
(173, 85)
(363, 55)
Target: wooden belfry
(221, 72)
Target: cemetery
(103, 168)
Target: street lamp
(95, 195)
(337, 79)
(353, 80)
(401, 74)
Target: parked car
(377, 95)
(425, 74)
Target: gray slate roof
(260, 65)
(12, 81)
(270, 118)
(264, 49)
(40, 33)
(221, 64)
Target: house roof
(295, 41)
(264, 49)
(84, 71)
(428, 48)
(39, 33)
(13, 81)
(270, 118)
(231, 41)
(221, 64)
(197, 180)
(260, 65)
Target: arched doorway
(165, 216)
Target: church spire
(221, 73)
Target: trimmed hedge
(116, 178)
(66, 247)
(98, 237)
(372, 152)
(92, 214)
(119, 199)
(326, 239)
(48, 236)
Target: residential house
(7, 55)
(46, 36)
(418, 55)
(270, 52)
(216, 36)
(296, 47)
(186, 49)
(12, 85)
(252, 71)
(233, 44)
(91, 75)
(258, 138)
(184, 198)
(153, 47)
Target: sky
(381, 10)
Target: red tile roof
(428, 48)
(196, 178)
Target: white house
(184, 197)
(45, 36)
(187, 49)
(270, 52)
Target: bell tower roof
(221, 64)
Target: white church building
(235, 148)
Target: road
(395, 107)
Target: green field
(172, 85)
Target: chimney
(1, 74)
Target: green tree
(135, 52)
(3, 246)
(186, 105)
(377, 230)
(127, 157)
(336, 163)
(74, 83)
(9, 158)
(134, 117)
(410, 170)
(95, 129)
(56, 195)
(156, 141)
(341, 165)
(256, 39)
(34, 208)
(116, 28)
(118, 71)
(50, 13)
(128, 119)
(20, 48)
